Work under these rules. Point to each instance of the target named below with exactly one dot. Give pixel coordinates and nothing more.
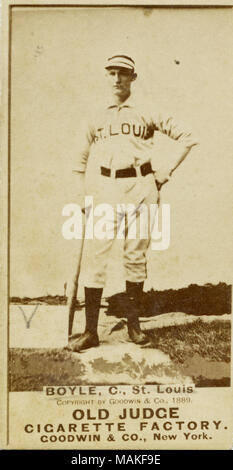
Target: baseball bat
(73, 296)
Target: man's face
(120, 80)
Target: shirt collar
(129, 103)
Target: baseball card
(116, 226)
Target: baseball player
(118, 143)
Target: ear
(134, 76)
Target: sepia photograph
(119, 228)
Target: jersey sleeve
(168, 126)
(85, 139)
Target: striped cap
(122, 61)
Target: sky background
(57, 78)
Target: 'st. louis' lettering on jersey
(125, 128)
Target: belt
(144, 169)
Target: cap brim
(119, 63)
(128, 69)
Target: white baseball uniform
(120, 137)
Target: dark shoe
(85, 341)
(136, 334)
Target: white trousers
(131, 218)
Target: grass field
(209, 340)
